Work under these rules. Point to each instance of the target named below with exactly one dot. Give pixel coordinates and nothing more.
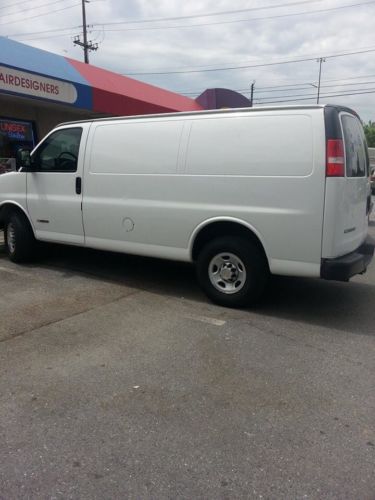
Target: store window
(14, 134)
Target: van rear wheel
(20, 242)
(232, 271)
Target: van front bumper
(343, 268)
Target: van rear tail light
(335, 158)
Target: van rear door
(347, 183)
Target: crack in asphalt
(52, 322)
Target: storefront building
(39, 89)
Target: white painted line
(11, 271)
(206, 319)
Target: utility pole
(320, 61)
(87, 46)
(84, 25)
(252, 93)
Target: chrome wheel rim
(227, 273)
(11, 238)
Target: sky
(195, 45)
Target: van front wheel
(20, 243)
(232, 271)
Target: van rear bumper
(343, 268)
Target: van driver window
(59, 152)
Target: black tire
(20, 245)
(242, 252)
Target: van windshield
(355, 147)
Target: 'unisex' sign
(12, 80)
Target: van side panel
(136, 148)
(266, 171)
(132, 187)
(262, 146)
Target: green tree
(369, 129)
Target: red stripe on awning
(121, 95)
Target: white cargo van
(241, 193)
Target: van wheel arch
(220, 229)
(7, 210)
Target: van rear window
(355, 147)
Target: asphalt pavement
(119, 379)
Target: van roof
(214, 111)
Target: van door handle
(78, 185)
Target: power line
(202, 15)
(140, 21)
(306, 88)
(285, 85)
(223, 64)
(327, 86)
(182, 26)
(191, 92)
(42, 32)
(282, 88)
(265, 99)
(258, 89)
(39, 15)
(14, 4)
(71, 34)
(210, 14)
(348, 78)
(261, 65)
(170, 18)
(343, 78)
(247, 90)
(327, 94)
(31, 8)
(372, 91)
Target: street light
(320, 61)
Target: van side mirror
(23, 159)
